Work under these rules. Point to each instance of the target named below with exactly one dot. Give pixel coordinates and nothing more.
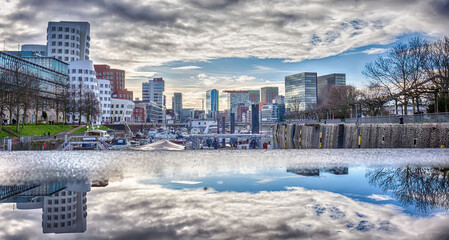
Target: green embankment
(35, 130)
(4, 134)
(83, 129)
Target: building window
(60, 29)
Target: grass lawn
(4, 134)
(83, 129)
(37, 130)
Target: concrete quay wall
(298, 136)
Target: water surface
(278, 194)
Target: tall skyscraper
(327, 82)
(153, 90)
(254, 96)
(212, 103)
(268, 94)
(68, 41)
(177, 103)
(301, 91)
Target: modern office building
(236, 97)
(83, 83)
(153, 90)
(272, 113)
(50, 74)
(301, 91)
(268, 94)
(254, 96)
(105, 100)
(115, 76)
(122, 110)
(177, 103)
(212, 103)
(68, 41)
(326, 82)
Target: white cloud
(151, 33)
(186, 182)
(187, 68)
(379, 197)
(375, 51)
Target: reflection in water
(308, 172)
(64, 206)
(424, 188)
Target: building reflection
(310, 172)
(424, 188)
(64, 205)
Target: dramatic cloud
(131, 210)
(131, 34)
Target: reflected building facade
(310, 172)
(64, 206)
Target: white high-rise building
(82, 82)
(68, 41)
(105, 100)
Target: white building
(105, 99)
(82, 82)
(66, 210)
(121, 110)
(68, 41)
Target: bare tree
(438, 71)
(400, 71)
(342, 100)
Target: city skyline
(303, 38)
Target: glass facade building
(325, 84)
(301, 91)
(212, 102)
(52, 75)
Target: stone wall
(297, 136)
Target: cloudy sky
(196, 45)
